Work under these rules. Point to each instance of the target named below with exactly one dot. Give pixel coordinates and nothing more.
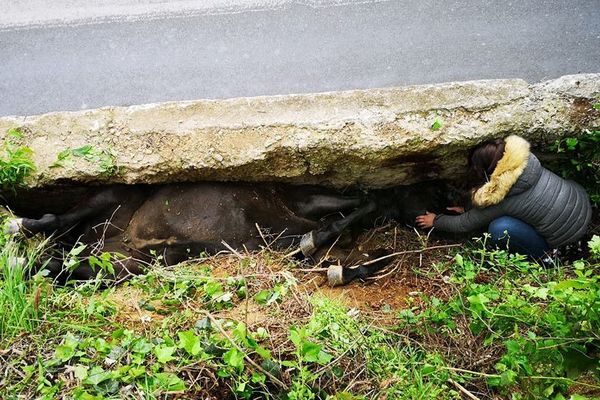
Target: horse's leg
(340, 275)
(50, 223)
(319, 204)
(311, 241)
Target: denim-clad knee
(517, 236)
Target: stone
(367, 138)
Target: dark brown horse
(180, 221)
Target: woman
(525, 206)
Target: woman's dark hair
(484, 158)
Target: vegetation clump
(15, 161)
(583, 161)
(480, 321)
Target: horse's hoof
(335, 275)
(307, 243)
(14, 226)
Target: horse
(179, 221)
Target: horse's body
(179, 221)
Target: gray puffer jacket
(520, 187)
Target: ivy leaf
(164, 353)
(142, 346)
(64, 352)
(189, 342)
(235, 359)
(97, 375)
(262, 296)
(170, 382)
(81, 372)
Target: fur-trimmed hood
(507, 172)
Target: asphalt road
(131, 55)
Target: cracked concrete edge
(369, 138)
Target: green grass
(15, 161)
(21, 299)
(498, 326)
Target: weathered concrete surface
(369, 138)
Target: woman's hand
(456, 209)
(425, 221)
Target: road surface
(70, 55)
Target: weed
(539, 326)
(104, 159)
(583, 166)
(227, 327)
(15, 162)
(22, 300)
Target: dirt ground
(397, 286)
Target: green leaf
(262, 352)
(64, 352)
(213, 289)
(310, 351)
(81, 372)
(459, 260)
(170, 382)
(428, 369)
(136, 371)
(164, 353)
(15, 133)
(80, 394)
(324, 358)
(508, 377)
(190, 342)
(82, 151)
(437, 124)
(142, 346)
(571, 143)
(234, 358)
(258, 378)
(594, 245)
(262, 296)
(548, 391)
(97, 375)
(75, 251)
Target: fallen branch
(463, 390)
(231, 249)
(399, 253)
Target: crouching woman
(525, 207)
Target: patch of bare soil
(129, 314)
(397, 285)
(394, 287)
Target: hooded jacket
(559, 210)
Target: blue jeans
(517, 236)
